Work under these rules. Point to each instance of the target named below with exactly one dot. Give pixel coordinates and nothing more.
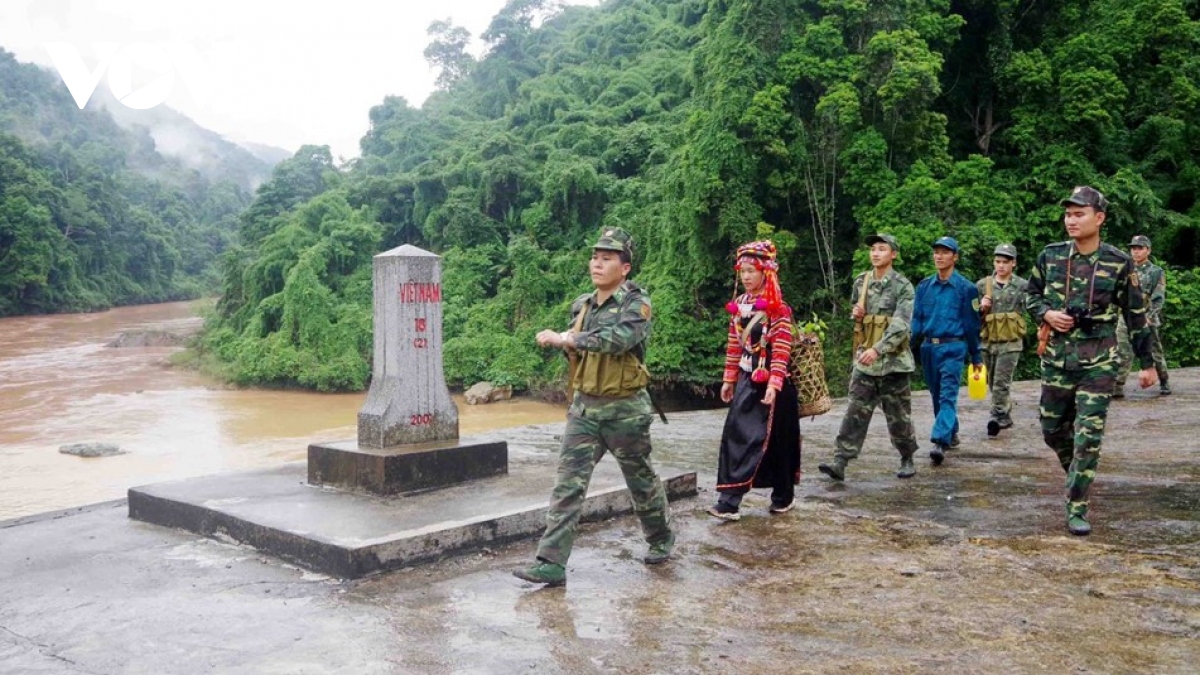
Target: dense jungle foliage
(700, 124)
(91, 215)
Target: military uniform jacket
(1153, 282)
(890, 296)
(1006, 298)
(1102, 283)
(619, 325)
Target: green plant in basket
(814, 326)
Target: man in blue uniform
(946, 326)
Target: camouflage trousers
(1074, 408)
(1001, 366)
(584, 442)
(893, 393)
(1125, 354)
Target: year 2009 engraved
(420, 420)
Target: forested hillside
(701, 124)
(93, 215)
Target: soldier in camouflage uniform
(1075, 293)
(610, 410)
(1002, 304)
(1153, 282)
(883, 305)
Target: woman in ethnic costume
(760, 445)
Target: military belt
(942, 340)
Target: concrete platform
(350, 535)
(404, 468)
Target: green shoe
(1078, 525)
(661, 552)
(907, 468)
(551, 574)
(954, 443)
(836, 470)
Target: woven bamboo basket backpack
(807, 370)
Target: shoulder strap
(862, 294)
(573, 355)
(587, 304)
(987, 293)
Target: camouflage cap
(1084, 195)
(1006, 250)
(615, 239)
(1140, 240)
(880, 238)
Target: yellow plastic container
(977, 382)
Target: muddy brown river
(59, 384)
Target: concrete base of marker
(404, 468)
(350, 535)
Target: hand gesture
(1059, 321)
(868, 357)
(1147, 377)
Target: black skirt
(760, 445)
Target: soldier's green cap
(1085, 195)
(1007, 250)
(880, 238)
(1140, 240)
(615, 239)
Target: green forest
(92, 216)
(701, 124)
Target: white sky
(269, 71)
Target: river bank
(60, 384)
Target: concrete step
(350, 535)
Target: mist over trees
(700, 124)
(93, 215)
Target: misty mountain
(177, 135)
(267, 153)
(94, 213)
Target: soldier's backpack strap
(572, 354)
(860, 332)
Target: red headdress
(762, 254)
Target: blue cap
(947, 242)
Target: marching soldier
(883, 303)
(1153, 282)
(610, 410)
(1075, 293)
(1002, 305)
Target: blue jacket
(948, 309)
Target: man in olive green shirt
(1154, 287)
(883, 306)
(1002, 304)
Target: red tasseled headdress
(761, 254)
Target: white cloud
(274, 72)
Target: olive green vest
(597, 374)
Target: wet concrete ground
(965, 568)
